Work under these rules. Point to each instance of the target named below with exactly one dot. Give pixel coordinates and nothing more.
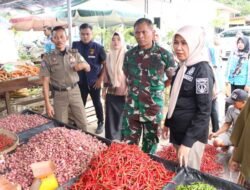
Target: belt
(64, 88)
(111, 91)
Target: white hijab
(195, 38)
(115, 60)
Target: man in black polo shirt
(90, 83)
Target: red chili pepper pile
(208, 163)
(5, 142)
(124, 167)
(168, 153)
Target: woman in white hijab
(115, 88)
(191, 97)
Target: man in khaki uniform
(59, 68)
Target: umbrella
(104, 13)
(35, 22)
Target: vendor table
(15, 84)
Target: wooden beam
(7, 102)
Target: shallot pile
(125, 167)
(208, 162)
(18, 123)
(70, 150)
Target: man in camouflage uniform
(145, 66)
(59, 68)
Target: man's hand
(183, 155)
(104, 93)
(170, 72)
(98, 83)
(165, 132)
(233, 166)
(82, 66)
(212, 135)
(78, 67)
(50, 110)
(247, 89)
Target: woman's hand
(183, 155)
(164, 132)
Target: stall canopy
(35, 22)
(104, 13)
(37, 6)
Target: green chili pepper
(196, 186)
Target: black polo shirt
(94, 54)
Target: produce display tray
(188, 175)
(183, 176)
(11, 135)
(26, 135)
(169, 165)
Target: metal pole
(145, 8)
(69, 22)
(104, 30)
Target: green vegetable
(9, 67)
(196, 186)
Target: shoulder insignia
(52, 53)
(191, 71)
(73, 50)
(43, 63)
(46, 54)
(202, 86)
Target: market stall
(22, 77)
